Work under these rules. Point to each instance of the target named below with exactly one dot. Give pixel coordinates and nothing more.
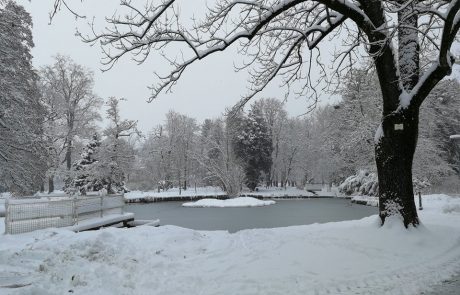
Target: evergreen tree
(254, 147)
(22, 148)
(86, 176)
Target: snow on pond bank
(236, 202)
(352, 257)
(174, 192)
(436, 202)
(216, 192)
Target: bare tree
(221, 164)
(67, 90)
(409, 42)
(180, 130)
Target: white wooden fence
(28, 215)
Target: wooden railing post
(74, 210)
(102, 206)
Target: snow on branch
(278, 28)
(445, 60)
(57, 6)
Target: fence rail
(28, 215)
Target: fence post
(102, 206)
(74, 210)
(420, 207)
(6, 215)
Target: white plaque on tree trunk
(399, 126)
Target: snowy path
(353, 257)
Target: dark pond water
(283, 213)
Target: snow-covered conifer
(22, 148)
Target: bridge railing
(23, 216)
(318, 187)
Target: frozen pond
(283, 213)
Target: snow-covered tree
(166, 154)
(180, 130)
(67, 90)
(217, 159)
(253, 145)
(275, 117)
(118, 154)
(409, 43)
(440, 120)
(153, 153)
(86, 176)
(22, 147)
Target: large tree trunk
(396, 138)
(395, 147)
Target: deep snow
(236, 202)
(353, 257)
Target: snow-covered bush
(367, 184)
(363, 183)
(420, 185)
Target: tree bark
(68, 155)
(50, 184)
(394, 153)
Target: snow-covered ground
(236, 202)
(352, 257)
(174, 192)
(440, 202)
(366, 200)
(279, 192)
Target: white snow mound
(236, 202)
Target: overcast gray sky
(203, 92)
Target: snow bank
(436, 202)
(56, 193)
(366, 200)
(174, 192)
(279, 192)
(202, 192)
(236, 202)
(353, 257)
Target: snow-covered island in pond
(235, 202)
